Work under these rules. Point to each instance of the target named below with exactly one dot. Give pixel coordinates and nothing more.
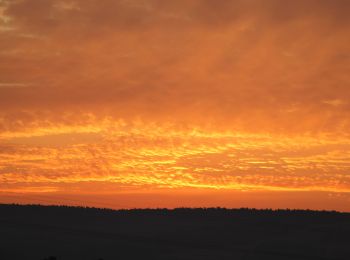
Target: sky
(196, 103)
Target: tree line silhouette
(35, 232)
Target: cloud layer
(75, 76)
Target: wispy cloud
(14, 85)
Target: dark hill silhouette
(70, 233)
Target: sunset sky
(153, 103)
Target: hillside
(69, 233)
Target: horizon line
(175, 209)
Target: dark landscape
(67, 233)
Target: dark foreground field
(37, 232)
